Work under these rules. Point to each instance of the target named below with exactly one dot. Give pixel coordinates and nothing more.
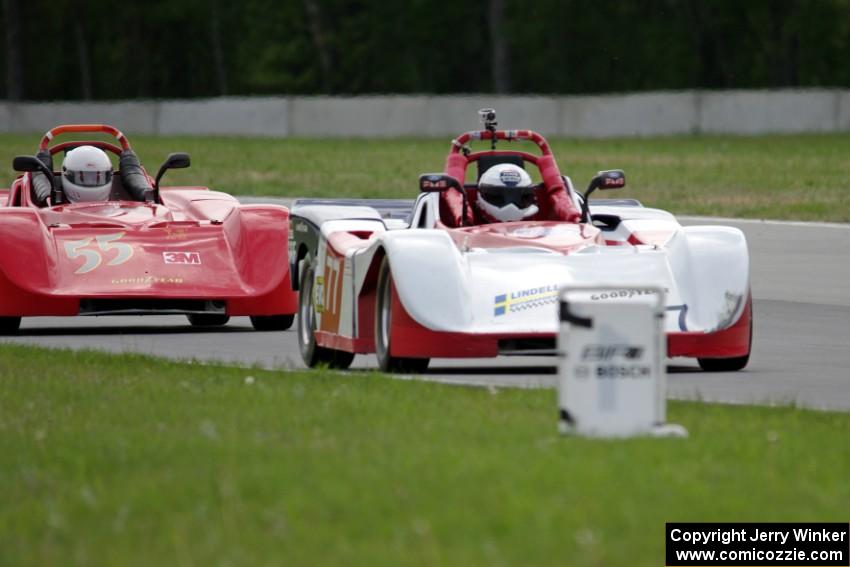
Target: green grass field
(128, 460)
(804, 177)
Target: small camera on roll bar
(488, 117)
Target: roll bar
(89, 128)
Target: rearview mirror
(33, 164)
(27, 163)
(437, 183)
(608, 179)
(440, 182)
(177, 160)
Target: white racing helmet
(86, 175)
(505, 192)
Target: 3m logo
(193, 258)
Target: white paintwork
(320, 214)
(704, 270)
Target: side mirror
(609, 179)
(176, 160)
(440, 182)
(33, 164)
(28, 163)
(173, 161)
(437, 183)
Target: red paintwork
(84, 128)
(195, 244)
(552, 199)
(412, 340)
(651, 237)
(338, 342)
(558, 236)
(728, 343)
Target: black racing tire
(272, 322)
(207, 319)
(9, 325)
(724, 364)
(313, 354)
(383, 326)
(730, 364)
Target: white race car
(422, 279)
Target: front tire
(313, 354)
(207, 320)
(9, 325)
(272, 322)
(383, 329)
(724, 364)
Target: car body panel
(195, 244)
(502, 280)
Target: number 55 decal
(93, 258)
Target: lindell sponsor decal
(524, 299)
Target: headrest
(486, 162)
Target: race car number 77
(93, 258)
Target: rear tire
(207, 320)
(313, 354)
(729, 364)
(9, 325)
(272, 322)
(383, 329)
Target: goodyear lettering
(132, 280)
(623, 294)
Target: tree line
(95, 49)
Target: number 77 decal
(93, 258)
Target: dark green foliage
(169, 48)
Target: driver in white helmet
(86, 175)
(505, 194)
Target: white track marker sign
(612, 377)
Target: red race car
(138, 248)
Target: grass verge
(129, 460)
(802, 177)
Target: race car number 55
(92, 253)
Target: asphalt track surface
(801, 351)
